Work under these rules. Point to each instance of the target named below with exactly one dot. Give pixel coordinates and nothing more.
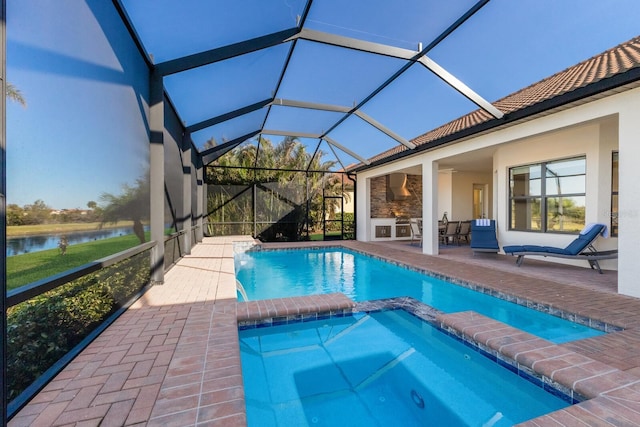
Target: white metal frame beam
(384, 129)
(310, 105)
(400, 53)
(341, 147)
(318, 136)
(341, 109)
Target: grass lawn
(29, 230)
(27, 268)
(320, 236)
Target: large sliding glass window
(526, 196)
(553, 204)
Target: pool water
(278, 274)
(379, 369)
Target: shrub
(43, 329)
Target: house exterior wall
(445, 186)
(462, 194)
(563, 144)
(594, 129)
(349, 202)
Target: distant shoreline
(49, 229)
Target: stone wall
(410, 208)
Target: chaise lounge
(581, 248)
(483, 236)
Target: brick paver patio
(173, 360)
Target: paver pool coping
(611, 325)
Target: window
(614, 194)
(548, 197)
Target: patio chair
(464, 231)
(450, 233)
(416, 231)
(483, 236)
(580, 248)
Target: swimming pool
(286, 273)
(378, 369)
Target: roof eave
(581, 93)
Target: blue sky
(66, 149)
(82, 132)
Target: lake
(28, 244)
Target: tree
(15, 214)
(95, 212)
(36, 213)
(132, 204)
(211, 142)
(14, 94)
(284, 190)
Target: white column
(363, 209)
(629, 204)
(430, 207)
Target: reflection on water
(23, 245)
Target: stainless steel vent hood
(397, 187)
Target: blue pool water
(276, 274)
(380, 369)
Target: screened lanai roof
(357, 78)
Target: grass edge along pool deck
(173, 357)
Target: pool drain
(417, 399)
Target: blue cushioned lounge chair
(483, 236)
(581, 248)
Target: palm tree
(283, 191)
(14, 94)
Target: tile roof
(610, 63)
